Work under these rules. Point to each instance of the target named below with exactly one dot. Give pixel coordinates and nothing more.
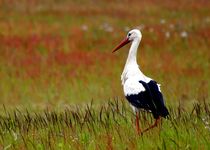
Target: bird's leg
(137, 123)
(154, 125)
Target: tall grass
(108, 126)
(55, 54)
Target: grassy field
(109, 126)
(55, 59)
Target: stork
(141, 91)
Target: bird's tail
(164, 112)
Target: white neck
(131, 68)
(131, 60)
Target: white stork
(141, 91)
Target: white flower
(106, 27)
(167, 34)
(162, 21)
(184, 34)
(84, 27)
(171, 26)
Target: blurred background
(58, 52)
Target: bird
(141, 91)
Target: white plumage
(131, 74)
(132, 87)
(140, 90)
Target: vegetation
(55, 59)
(109, 126)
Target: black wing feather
(158, 99)
(151, 99)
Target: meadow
(60, 84)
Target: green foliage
(55, 57)
(106, 126)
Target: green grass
(109, 126)
(55, 56)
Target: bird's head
(132, 35)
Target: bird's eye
(129, 34)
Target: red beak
(122, 43)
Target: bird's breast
(134, 74)
(132, 87)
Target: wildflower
(84, 27)
(167, 34)
(107, 27)
(184, 34)
(171, 26)
(162, 21)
